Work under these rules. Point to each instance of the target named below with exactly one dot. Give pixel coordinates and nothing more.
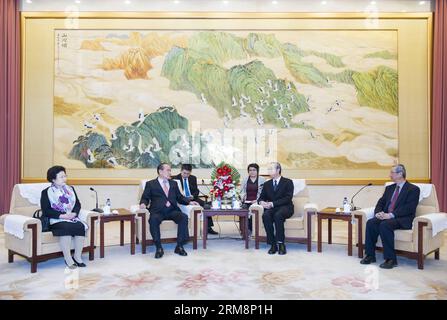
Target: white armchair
(299, 228)
(37, 246)
(168, 229)
(419, 241)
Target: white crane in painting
(89, 125)
(262, 90)
(91, 157)
(257, 108)
(130, 147)
(226, 121)
(113, 135)
(338, 103)
(247, 99)
(312, 135)
(241, 104)
(289, 111)
(275, 87)
(185, 142)
(202, 97)
(275, 102)
(148, 151)
(243, 113)
(141, 116)
(156, 144)
(264, 102)
(280, 116)
(234, 102)
(97, 116)
(270, 83)
(289, 86)
(112, 161)
(260, 119)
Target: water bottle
(107, 207)
(234, 203)
(346, 205)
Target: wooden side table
(241, 213)
(330, 214)
(123, 215)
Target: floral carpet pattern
(223, 271)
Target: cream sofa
(417, 242)
(38, 246)
(299, 228)
(168, 229)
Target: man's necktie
(186, 187)
(275, 185)
(166, 190)
(393, 200)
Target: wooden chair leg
(137, 241)
(33, 265)
(91, 253)
(437, 254)
(10, 256)
(420, 261)
(420, 253)
(33, 228)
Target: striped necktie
(394, 200)
(166, 190)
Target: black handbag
(45, 221)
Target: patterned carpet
(224, 271)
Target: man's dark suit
(282, 208)
(155, 199)
(194, 189)
(404, 213)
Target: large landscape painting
(127, 99)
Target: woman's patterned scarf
(62, 199)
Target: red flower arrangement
(224, 179)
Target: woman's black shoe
(80, 265)
(211, 231)
(72, 267)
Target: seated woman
(60, 204)
(251, 188)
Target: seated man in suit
(160, 197)
(276, 198)
(396, 209)
(190, 190)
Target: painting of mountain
(129, 99)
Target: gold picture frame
(415, 77)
